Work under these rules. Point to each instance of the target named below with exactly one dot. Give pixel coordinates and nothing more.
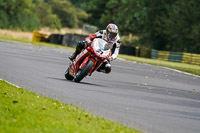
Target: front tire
(82, 73)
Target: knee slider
(80, 46)
(108, 68)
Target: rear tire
(67, 76)
(82, 73)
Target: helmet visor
(112, 35)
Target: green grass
(22, 111)
(194, 69)
(8, 38)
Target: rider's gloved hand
(88, 41)
(110, 58)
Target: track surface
(150, 98)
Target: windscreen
(103, 45)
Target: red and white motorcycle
(89, 60)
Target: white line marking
(10, 83)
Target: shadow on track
(84, 83)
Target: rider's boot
(105, 68)
(79, 47)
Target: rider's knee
(80, 45)
(107, 68)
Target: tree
(18, 14)
(4, 19)
(125, 13)
(67, 13)
(95, 9)
(47, 18)
(182, 26)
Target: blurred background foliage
(172, 25)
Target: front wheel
(83, 72)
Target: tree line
(172, 25)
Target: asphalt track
(150, 98)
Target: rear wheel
(83, 72)
(67, 76)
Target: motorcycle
(88, 60)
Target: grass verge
(22, 111)
(194, 69)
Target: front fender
(84, 62)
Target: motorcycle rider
(110, 35)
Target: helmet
(111, 31)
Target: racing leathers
(105, 67)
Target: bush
(130, 40)
(145, 51)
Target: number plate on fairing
(71, 70)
